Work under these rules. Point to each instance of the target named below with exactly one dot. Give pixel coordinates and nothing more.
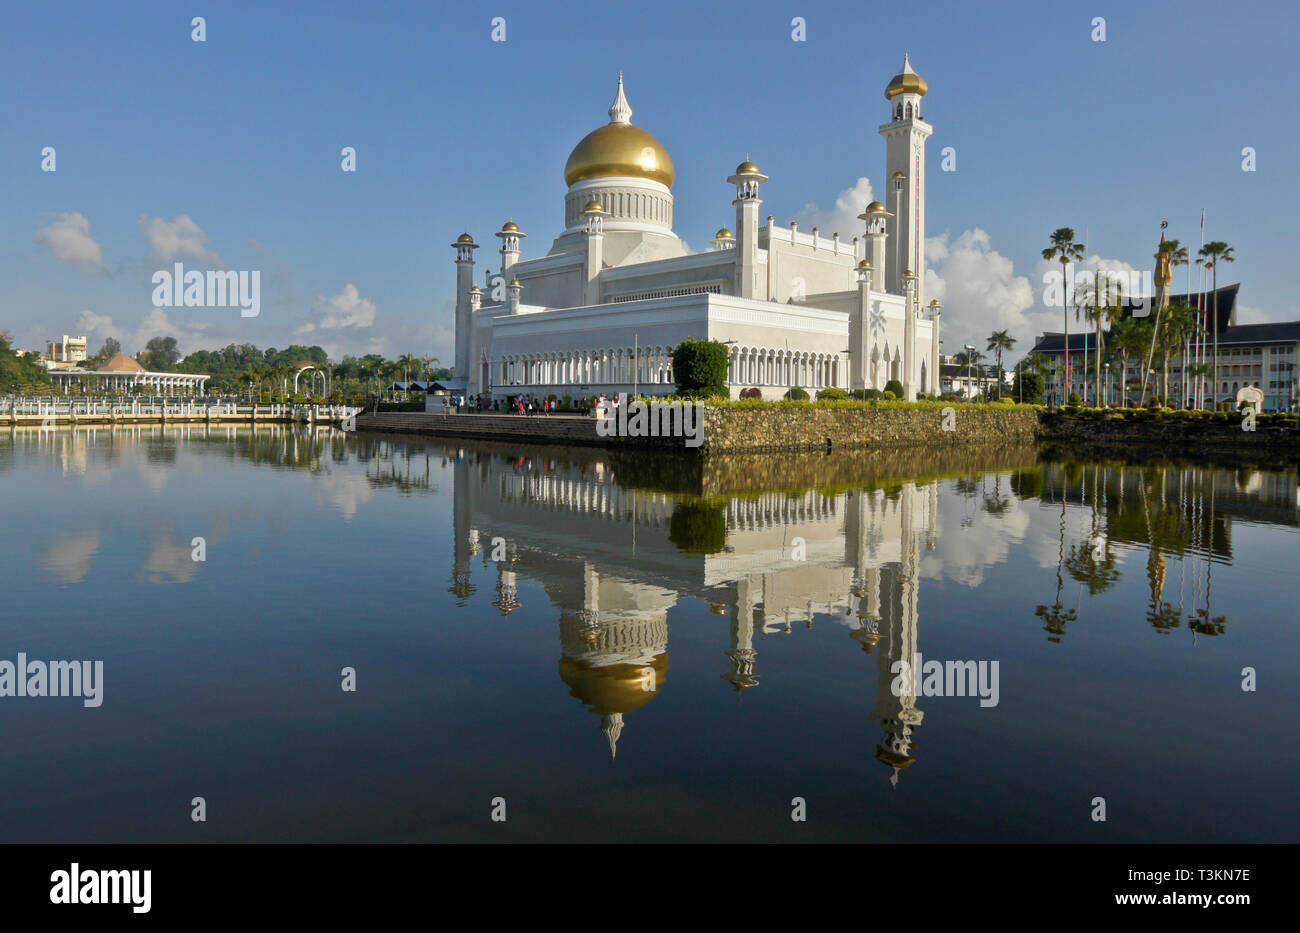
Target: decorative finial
(620, 111)
(612, 726)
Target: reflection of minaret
(867, 593)
(615, 662)
(465, 537)
(898, 714)
(742, 654)
(507, 598)
(865, 587)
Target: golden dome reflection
(613, 688)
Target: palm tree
(408, 362)
(1128, 337)
(1100, 302)
(968, 360)
(1179, 324)
(1064, 249)
(1211, 254)
(999, 341)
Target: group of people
(519, 405)
(524, 404)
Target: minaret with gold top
(905, 135)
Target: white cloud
(977, 288)
(346, 309)
(178, 238)
(843, 217)
(68, 238)
(154, 323)
(1247, 314)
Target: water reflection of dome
(613, 690)
(614, 662)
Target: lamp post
(970, 363)
(899, 179)
(1106, 403)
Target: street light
(970, 362)
(899, 179)
(1106, 404)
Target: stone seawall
(753, 430)
(1175, 438)
(743, 430)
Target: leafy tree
(110, 349)
(160, 354)
(700, 367)
(20, 374)
(1029, 387)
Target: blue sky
(228, 151)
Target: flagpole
(1200, 301)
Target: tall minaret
(747, 179)
(464, 247)
(905, 137)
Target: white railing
(61, 408)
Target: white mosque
(602, 311)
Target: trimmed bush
(796, 394)
(893, 385)
(832, 394)
(888, 396)
(751, 393)
(1074, 400)
(698, 527)
(700, 368)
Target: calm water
(637, 650)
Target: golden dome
(906, 81)
(594, 205)
(613, 688)
(619, 149)
(875, 207)
(476, 289)
(515, 283)
(510, 227)
(724, 234)
(747, 168)
(464, 238)
(864, 265)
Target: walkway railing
(60, 409)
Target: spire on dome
(612, 726)
(620, 111)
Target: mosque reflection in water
(614, 560)
(613, 557)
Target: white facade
(618, 290)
